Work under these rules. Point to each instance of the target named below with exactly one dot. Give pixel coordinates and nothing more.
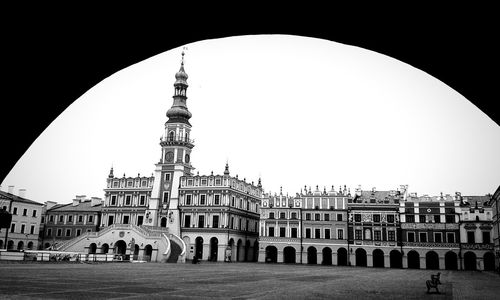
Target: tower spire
(179, 112)
(226, 170)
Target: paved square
(234, 281)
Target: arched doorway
(10, 245)
(255, 251)
(20, 245)
(378, 258)
(342, 257)
(198, 252)
(120, 247)
(312, 256)
(30, 245)
(469, 261)
(327, 256)
(360, 257)
(289, 255)
(247, 251)
(239, 252)
(431, 261)
(489, 261)
(148, 252)
(163, 222)
(92, 248)
(450, 261)
(105, 248)
(271, 254)
(413, 260)
(396, 259)
(214, 246)
(231, 247)
(136, 252)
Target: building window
(140, 220)
(129, 183)
(187, 221)
(34, 213)
(188, 199)
(51, 218)
(327, 217)
(450, 237)
(202, 199)
(59, 231)
(80, 219)
(232, 201)
(438, 237)
(410, 218)
(471, 237)
(128, 199)
(421, 218)
(390, 218)
(218, 182)
(231, 225)
(167, 176)
(423, 237)
(22, 228)
(376, 218)
(411, 237)
(308, 217)
(68, 232)
(203, 182)
(126, 219)
(61, 218)
(49, 232)
(437, 219)
(282, 231)
(25, 212)
(282, 215)
(216, 199)
(486, 237)
(111, 219)
(357, 217)
(391, 235)
(165, 197)
(113, 200)
(78, 232)
(308, 233)
(32, 229)
(271, 231)
(91, 219)
(340, 234)
(70, 219)
(327, 233)
(144, 183)
(115, 184)
(190, 182)
(450, 219)
(142, 200)
(376, 234)
(317, 217)
(358, 234)
(294, 215)
(339, 217)
(42, 220)
(294, 232)
(201, 221)
(215, 222)
(271, 215)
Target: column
(369, 259)
(387, 261)
(334, 258)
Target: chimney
(50, 204)
(95, 201)
(11, 189)
(78, 199)
(22, 193)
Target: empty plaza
(234, 281)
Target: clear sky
(293, 110)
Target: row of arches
(237, 251)
(20, 245)
(395, 258)
(120, 248)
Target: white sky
(294, 110)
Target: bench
(434, 282)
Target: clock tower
(175, 160)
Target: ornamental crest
(366, 217)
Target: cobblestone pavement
(234, 281)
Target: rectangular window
(201, 221)
(308, 217)
(450, 219)
(126, 219)
(282, 231)
(59, 231)
(215, 221)
(317, 217)
(70, 219)
(203, 182)
(377, 235)
(49, 231)
(308, 233)
(232, 201)
(78, 232)
(142, 200)
(91, 219)
(376, 218)
(271, 215)
(471, 237)
(25, 212)
(32, 229)
(340, 234)
(327, 233)
(437, 219)
(165, 197)
(423, 237)
(128, 200)
(294, 232)
(51, 218)
(218, 182)
(282, 215)
(203, 198)
(190, 182)
(34, 213)
(217, 200)
(68, 232)
(327, 217)
(129, 183)
(22, 228)
(410, 218)
(438, 237)
(113, 200)
(167, 176)
(271, 231)
(144, 183)
(391, 235)
(450, 237)
(188, 199)
(115, 184)
(294, 215)
(421, 218)
(357, 217)
(390, 218)
(187, 221)
(357, 234)
(110, 220)
(61, 218)
(486, 237)
(140, 220)
(14, 211)
(411, 237)
(80, 219)
(339, 217)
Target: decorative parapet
(278, 240)
(431, 245)
(477, 246)
(375, 243)
(440, 226)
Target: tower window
(202, 199)
(167, 176)
(165, 197)
(188, 199)
(171, 136)
(142, 200)
(216, 199)
(128, 199)
(113, 200)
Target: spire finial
(182, 60)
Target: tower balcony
(177, 141)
